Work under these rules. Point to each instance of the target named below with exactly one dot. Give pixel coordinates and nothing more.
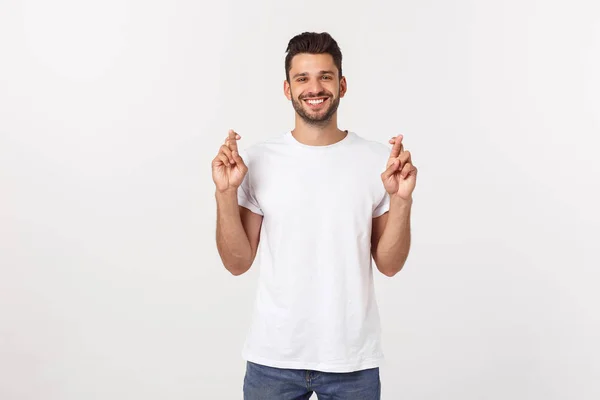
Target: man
(319, 204)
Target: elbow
(388, 273)
(237, 269)
(390, 270)
(236, 272)
(238, 266)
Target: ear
(287, 90)
(343, 86)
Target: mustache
(320, 94)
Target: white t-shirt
(315, 306)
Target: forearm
(232, 241)
(394, 245)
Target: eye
(326, 77)
(300, 79)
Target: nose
(315, 87)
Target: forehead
(312, 63)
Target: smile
(315, 102)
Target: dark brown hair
(313, 43)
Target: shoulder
(371, 147)
(259, 149)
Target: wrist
(226, 193)
(398, 201)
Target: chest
(318, 187)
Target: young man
(321, 201)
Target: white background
(111, 112)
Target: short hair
(312, 43)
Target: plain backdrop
(111, 111)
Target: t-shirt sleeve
(383, 206)
(245, 193)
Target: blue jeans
(268, 383)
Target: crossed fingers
(229, 149)
(398, 153)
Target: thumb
(238, 159)
(390, 170)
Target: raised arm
(238, 229)
(390, 238)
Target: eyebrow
(306, 73)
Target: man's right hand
(228, 168)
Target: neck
(318, 135)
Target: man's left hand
(400, 177)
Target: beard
(321, 117)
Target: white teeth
(314, 102)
